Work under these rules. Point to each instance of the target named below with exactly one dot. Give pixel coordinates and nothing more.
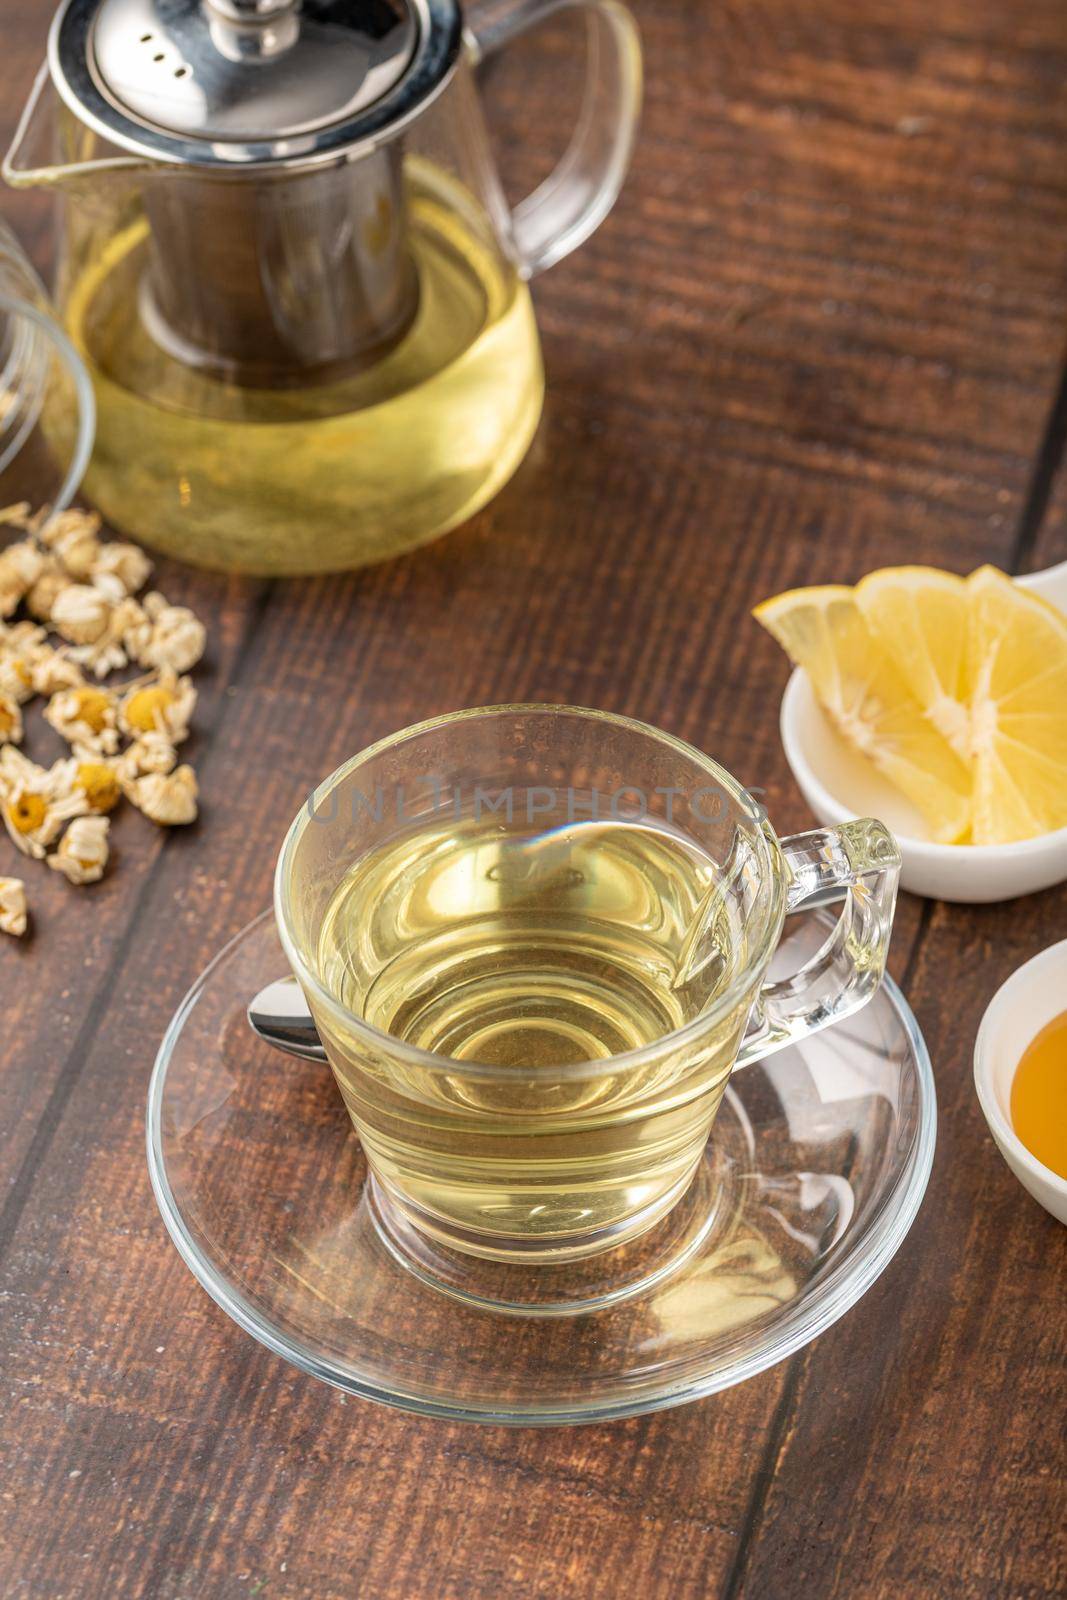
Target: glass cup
(41, 378)
(535, 941)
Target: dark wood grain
(822, 331)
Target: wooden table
(823, 331)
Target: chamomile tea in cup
(535, 941)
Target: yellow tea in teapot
(316, 477)
(286, 255)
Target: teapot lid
(225, 83)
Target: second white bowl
(1034, 994)
(838, 784)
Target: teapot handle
(576, 197)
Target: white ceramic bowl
(1018, 1011)
(838, 784)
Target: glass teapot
(288, 264)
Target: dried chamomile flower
(21, 565)
(168, 798)
(10, 720)
(22, 637)
(46, 589)
(134, 627)
(109, 586)
(97, 779)
(73, 536)
(16, 515)
(20, 647)
(176, 638)
(87, 716)
(24, 561)
(110, 652)
(152, 752)
(35, 803)
(51, 526)
(13, 915)
(14, 767)
(16, 673)
(107, 655)
(83, 850)
(125, 562)
(52, 670)
(132, 623)
(162, 704)
(81, 613)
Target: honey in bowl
(1039, 1096)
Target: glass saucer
(814, 1172)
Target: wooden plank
(931, 1412)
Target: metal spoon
(279, 1014)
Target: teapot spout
(54, 151)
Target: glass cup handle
(576, 197)
(862, 859)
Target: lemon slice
(921, 617)
(871, 701)
(1017, 665)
